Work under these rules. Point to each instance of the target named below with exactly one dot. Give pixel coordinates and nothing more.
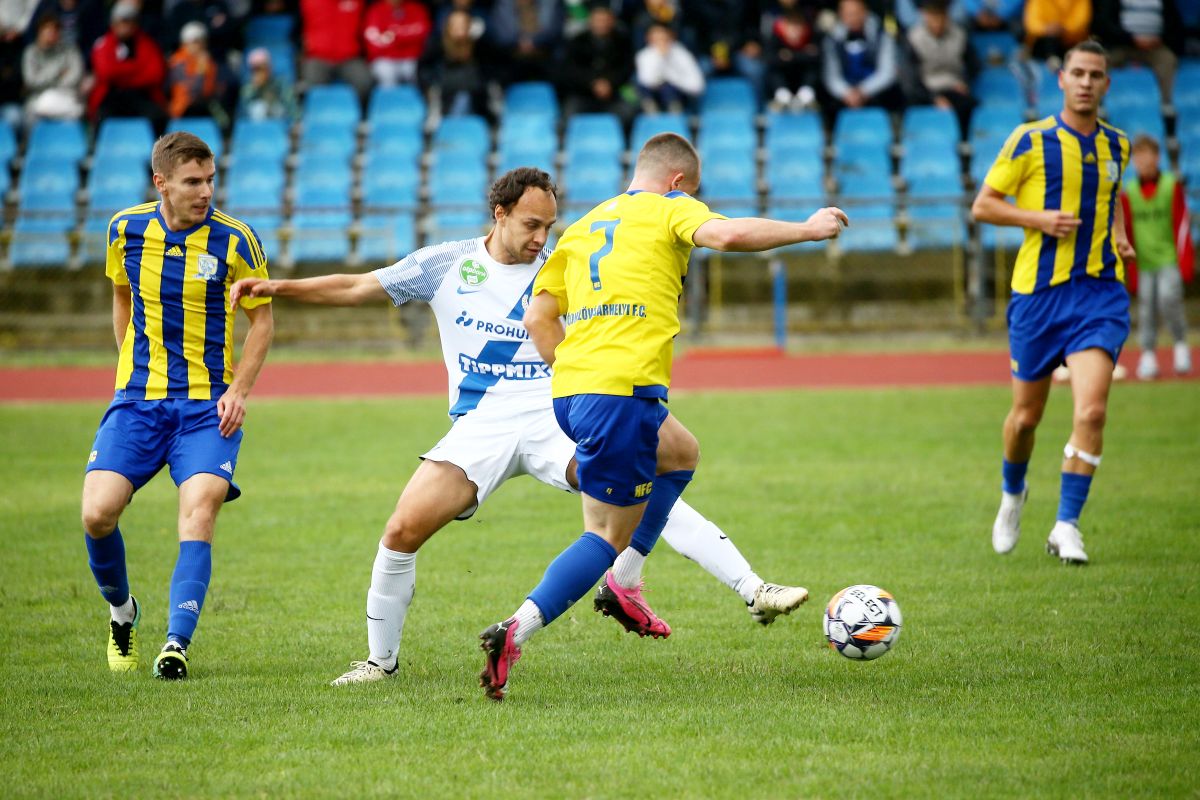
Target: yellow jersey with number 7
(617, 274)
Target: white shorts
(493, 444)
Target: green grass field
(1014, 677)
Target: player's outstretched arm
(544, 325)
(991, 207)
(329, 290)
(122, 311)
(754, 234)
(231, 407)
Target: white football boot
(1066, 542)
(1006, 530)
(1147, 368)
(1183, 358)
(364, 672)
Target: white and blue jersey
(479, 305)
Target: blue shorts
(1047, 326)
(137, 437)
(616, 444)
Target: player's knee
(682, 452)
(99, 519)
(403, 534)
(1026, 418)
(1091, 415)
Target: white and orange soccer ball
(862, 622)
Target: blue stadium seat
(113, 185)
(1187, 125)
(794, 132)
(1140, 120)
(933, 159)
(1047, 97)
(935, 226)
(93, 247)
(400, 142)
(331, 104)
(936, 186)
(527, 140)
(997, 47)
(647, 125)
(329, 139)
(852, 162)
(589, 181)
(594, 134)
(925, 125)
(729, 184)
(874, 186)
(203, 127)
(1133, 88)
(872, 228)
(511, 159)
(533, 98)
(983, 155)
(727, 133)
(268, 29)
(990, 122)
(320, 236)
(46, 187)
(62, 141)
(1004, 237)
(260, 140)
(734, 96)
(862, 127)
(451, 225)
(466, 135)
(1186, 93)
(37, 242)
(796, 210)
(321, 184)
(396, 107)
(389, 184)
(8, 143)
(5, 180)
(125, 140)
(247, 175)
(386, 238)
(998, 87)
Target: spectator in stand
(129, 71)
(14, 19)
(596, 64)
(453, 66)
(908, 13)
(528, 33)
(793, 56)
(1054, 26)
(52, 71)
(224, 32)
(264, 96)
(395, 37)
(82, 21)
(727, 38)
(333, 44)
(478, 17)
(1146, 32)
(1156, 213)
(994, 15)
(669, 78)
(197, 85)
(859, 62)
(944, 62)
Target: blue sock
(188, 586)
(106, 557)
(1014, 476)
(1072, 497)
(667, 488)
(572, 574)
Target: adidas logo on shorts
(228, 467)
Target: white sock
(627, 569)
(694, 537)
(393, 581)
(530, 618)
(124, 613)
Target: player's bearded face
(1084, 81)
(188, 191)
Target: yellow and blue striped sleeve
(114, 259)
(1012, 163)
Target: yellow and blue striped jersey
(617, 274)
(179, 342)
(1046, 165)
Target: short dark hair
(511, 186)
(1087, 46)
(177, 148)
(1144, 141)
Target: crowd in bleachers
(358, 129)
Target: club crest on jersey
(1113, 170)
(206, 268)
(472, 272)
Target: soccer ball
(862, 622)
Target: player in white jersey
(503, 416)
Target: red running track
(741, 370)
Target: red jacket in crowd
(332, 29)
(397, 32)
(137, 64)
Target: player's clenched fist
(827, 223)
(248, 287)
(1058, 224)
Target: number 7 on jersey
(609, 226)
